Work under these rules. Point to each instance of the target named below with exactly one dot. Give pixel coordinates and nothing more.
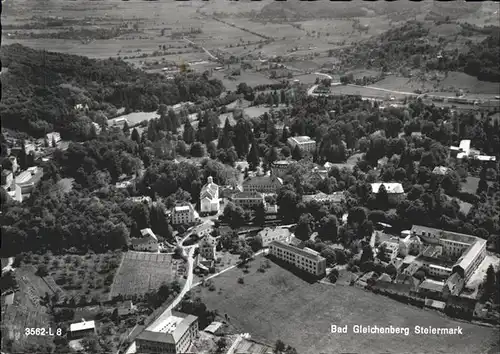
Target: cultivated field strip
(141, 272)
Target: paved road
(187, 286)
(205, 50)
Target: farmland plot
(141, 272)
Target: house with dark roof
(248, 199)
(148, 241)
(263, 184)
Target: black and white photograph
(250, 177)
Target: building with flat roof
(248, 199)
(171, 333)
(183, 214)
(305, 259)
(82, 329)
(262, 184)
(305, 143)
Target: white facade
(209, 197)
(305, 259)
(303, 142)
(183, 214)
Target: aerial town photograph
(250, 177)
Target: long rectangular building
(305, 259)
(173, 333)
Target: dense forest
(40, 89)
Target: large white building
(469, 250)
(209, 197)
(171, 333)
(305, 259)
(262, 184)
(305, 143)
(148, 241)
(183, 214)
(82, 329)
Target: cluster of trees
(42, 88)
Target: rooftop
(440, 170)
(263, 179)
(148, 233)
(432, 285)
(168, 328)
(305, 252)
(302, 139)
(247, 195)
(80, 326)
(391, 188)
(182, 208)
(282, 162)
(334, 197)
(469, 255)
(32, 175)
(448, 235)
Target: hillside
(41, 89)
(426, 46)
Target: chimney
(210, 179)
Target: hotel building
(305, 259)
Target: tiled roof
(247, 195)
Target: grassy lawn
(141, 272)
(279, 305)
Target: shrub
(240, 280)
(211, 287)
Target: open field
(26, 311)
(141, 272)
(279, 305)
(250, 78)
